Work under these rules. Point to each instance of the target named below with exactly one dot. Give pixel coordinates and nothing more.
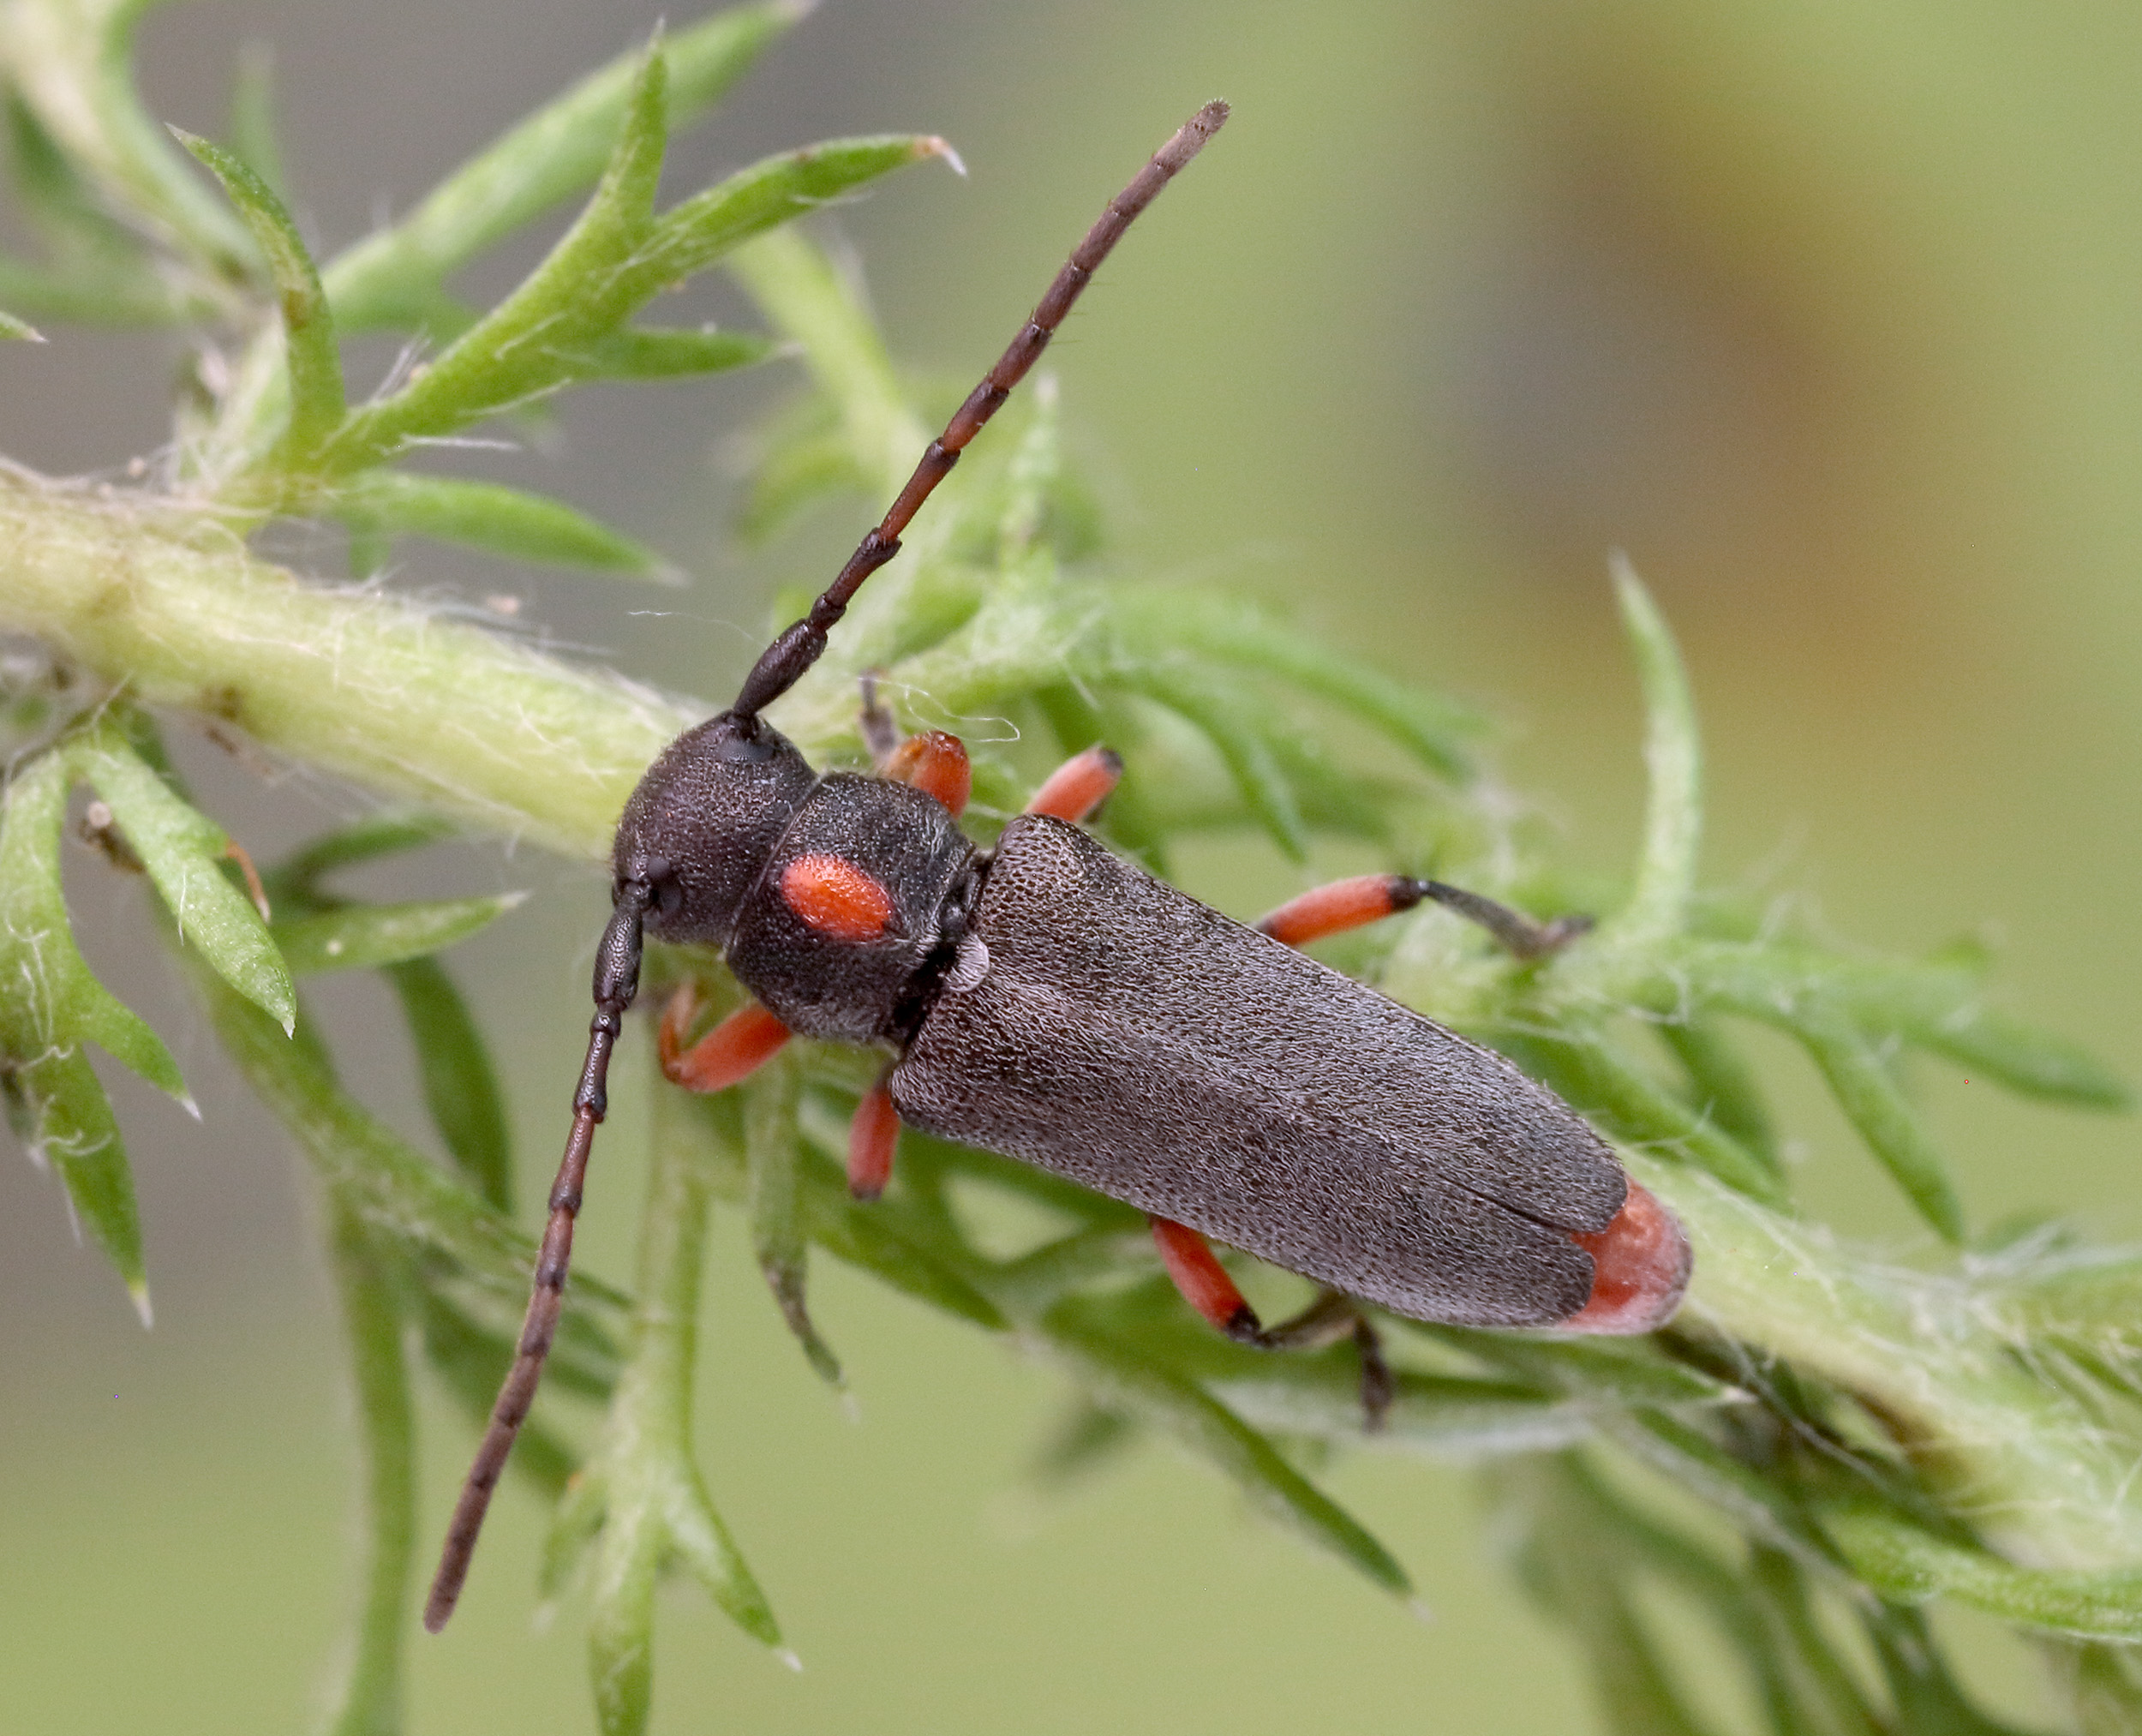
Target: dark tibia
(616, 981)
(1520, 934)
(1205, 1285)
(784, 662)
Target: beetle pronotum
(1047, 1000)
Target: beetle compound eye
(836, 898)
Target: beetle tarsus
(1522, 936)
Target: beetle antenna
(784, 662)
(617, 974)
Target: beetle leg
(1078, 786)
(936, 764)
(1205, 1284)
(1367, 898)
(873, 1136)
(734, 1049)
(1204, 1281)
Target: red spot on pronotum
(1640, 1266)
(835, 897)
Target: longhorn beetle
(1047, 1000)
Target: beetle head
(701, 827)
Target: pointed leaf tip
(935, 147)
(1672, 753)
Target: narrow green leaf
(805, 297)
(2107, 1690)
(1579, 1574)
(363, 937)
(1235, 725)
(576, 1520)
(1909, 1565)
(773, 1146)
(581, 290)
(256, 138)
(404, 1197)
(662, 353)
(308, 327)
(76, 228)
(461, 1087)
(791, 475)
(85, 97)
(1935, 1004)
(1438, 1416)
(864, 1236)
(1809, 1687)
(183, 851)
(2031, 1063)
(584, 1363)
(702, 1542)
(388, 833)
(367, 1700)
(549, 156)
(1120, 1381)
(1635, 1109)
(1722, 1087)
(1928, 1697)
(1692, 1462)
(52, 1001)
(1891, 1128)
(696, 233)
(1629, 1372)
(1437, 733)
(1086, 1440)
(95, 295)
(11, 328)
(1672, 753)
(499, 520)
(70, 1126)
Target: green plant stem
(370, 1697)
(655, 1507)
(2013, 1454)
(354, 681)
(649, 1427)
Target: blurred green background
(1830, 315)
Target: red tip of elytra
(1640, 1266)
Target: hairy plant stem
(352, 679)
(2013, 1453)
(370, 1696)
